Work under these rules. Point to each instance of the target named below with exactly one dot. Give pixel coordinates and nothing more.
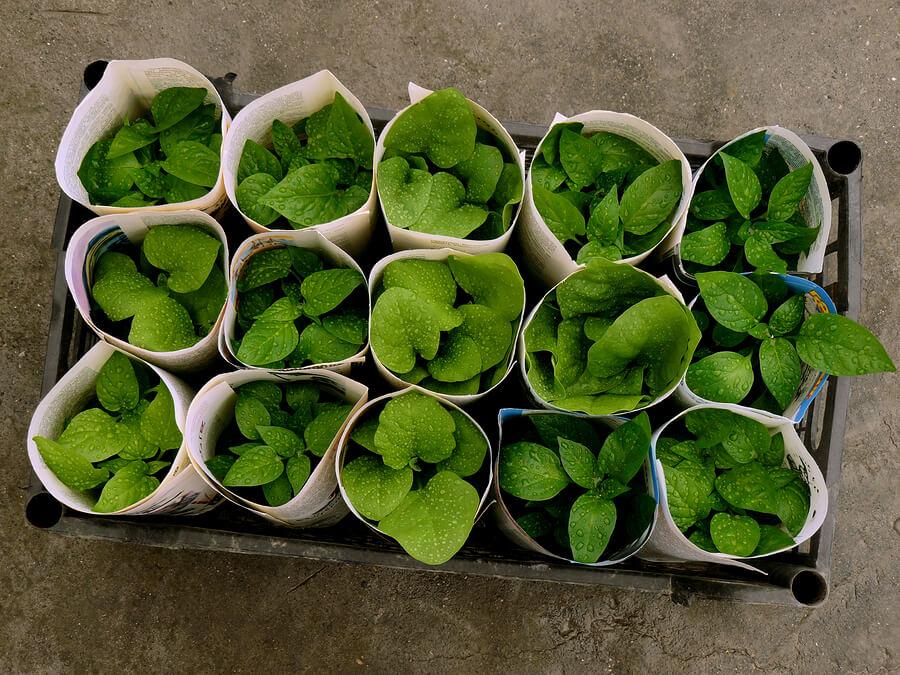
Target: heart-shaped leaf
(186, 253)
(373, 488)
(440, 126)
(446, 212)
(414, 425)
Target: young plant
(576, 489)
(727, 488)
(118, 449)
(442, 174)
(448, 325)
(277, 436)
(168, 155)
(171, 289)
(411, 469)
(602, 195)
(295, 308)
(758, 339)
(608, 339)
(746, 211)
(320, 170)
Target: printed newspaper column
(290, 104)
(105, 233)
(815, 208)
(375, 279)
(311, 240)
(124, 93)
(180, 493)
(666, 286)
(545, 255)
(503, 517)
(367, 411)
(812, 381)
(402, 239)
(668, 544)
(318, 504)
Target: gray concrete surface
(693, 68)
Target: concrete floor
(695, 69)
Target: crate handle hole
(43, 510)
(844, 157)
(809, 588)
(93, 73)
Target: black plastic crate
(799, 577)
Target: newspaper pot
(812, 381)
(100, 234)
(318, 503)
(308, 239)
(668, 544)
(815, 208)
(481, 480)
(290, 104)
(663, 282)
(402, 239)
(545, 255)
(375, 278)
(124, 92)
(626, 544)
(181, 492)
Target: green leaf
(250, 413)
(712, 205)
(132, 136)
(117, 385)
(651, 197)
(158, 423)
(174, 104)
(317, 345)
(734, 535)
(551, 427)
(492, 279)
(257, 159)
(283, 309)
(178, 190)
(604, 288)
(72, 469)
(563, 219)
(837, 345)
(430, 279)
(748, 149)
(219, 466)
(94, 435)
(732, 300)
(481, 172)
(579, 462)
(743, 185)
(162, 324)
(402, 436)
(708, 246)
(278, 492)
(136, 447)
(547, 176)
(106, 180)
(285, 143)
(337, 131)
(688, 486)
(446, 212)
(374, 489)
(440, 126)
(205, 304)
(762, 256)
(256, 466)
(250, 191)
(788, 315)
(531, 471)
(458, 359)
(122, 291)
(265, 267)
(581, 159)
(591, 524)
(726, 377)
(535, 523)
(128, 485)
(701, 539)
(541, 331)
(779, 366)
(193, 163)
(310, 196)
(433, 523)
(297, 469)
(793, 506)
(323, 429)
(789, 192)
(772, 539)
(404, 191)
(298, 394)
(283, 441)
(323, 291)
(625, 450)
(569, 363)
(186, 253)
(492, 333)
(603, 225)
(620, 153)
(267, 342)
(198, 125)
(471, 447)
(750, 487)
